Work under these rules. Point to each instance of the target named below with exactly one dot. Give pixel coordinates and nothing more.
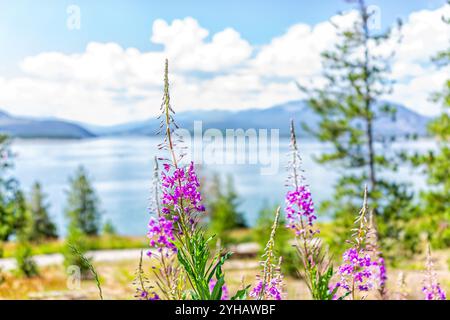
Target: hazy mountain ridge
(277, 117)
(24, 127)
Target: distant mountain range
(24, 127)
(277, 117)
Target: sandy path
(243, 249)
(96, 256)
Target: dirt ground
(117, 278)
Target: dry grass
(116, 279)
(50, 279)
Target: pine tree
(83, 205)
(433, 213)
(223, 207)
(42, 227)
(356, 77)
(109, 228)
(12, 202)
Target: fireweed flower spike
(181, 200)
(144, 291)
(358, 271)
(299, 208)
(431, 287)
(269, 284)
(162, 249)
(402, 291)
(176, 232)
(380, 275)
(301, 216)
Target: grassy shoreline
(105, 242)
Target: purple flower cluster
(431, 288)
(160, 233)
(180, 190)
(357, 272)
(225, 292)
(271, 290)
(434, 292)
(299, 210)
(381, 274)
(145, 295)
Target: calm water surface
(121, 169)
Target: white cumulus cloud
(109, 84)
(185, 44)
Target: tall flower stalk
(358, 273)
(402, 291)
(160, 232)
(431, 287)
(269, 283)
(176, 232)
(143, 288)
(300, 215)
(155, 205)
(373, 246)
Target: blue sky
(30, 30)
(35, 26)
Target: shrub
(2, 277)
(78, 240)
(26, 266)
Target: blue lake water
(121, 169)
